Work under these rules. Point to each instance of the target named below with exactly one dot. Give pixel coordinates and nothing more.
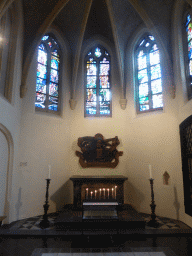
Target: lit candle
(108, 192)
(150, 171)
(91, 194)
(49, 167)
(104, 192)
(112, 192)
(87, 190)
(115, 191)
(95, 194)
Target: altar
(98, 207)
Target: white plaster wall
(10, 114)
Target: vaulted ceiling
(80, 20)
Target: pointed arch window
(48, 74)
(98, 82)
(148, 75)
(188, 51)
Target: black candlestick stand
(45, 222)
(152, 222)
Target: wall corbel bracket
(123, 103)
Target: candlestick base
(153, 223)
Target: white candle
(104, 192)
(150, 171)
(91, 194)
(112, 192)
(87, 193)
(108, 192)
(49, 166)
(95, 194)
(115, 191)
(100, 193)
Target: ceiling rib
(4, 5)
(137, 4)
(42, 30)
(78, 50)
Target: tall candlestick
(112, 192)
(49, 167)
(91, 194)
(100, 193)
(150, 171)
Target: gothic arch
(9, 139)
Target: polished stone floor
(26, 238)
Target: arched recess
(4, 5)
(65, 64)
(13, 15)
(130, 59)
(137, 4)
(178, 50)
(42, 30)
(8, 191)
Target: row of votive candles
(104, 193)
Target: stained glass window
(47, 82)
(188, 56)
(97, 85)
(148, 75)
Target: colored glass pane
(155, 72)
(144, 100)
(189, 31)
(41, 85)
(142, 42)
(91, 81)
(154, 57)
(91, 69)
(40, 100)
(54, 62)
(53, 103)
(42, 57)
(190, 67)
(140, 53)
(53, 89)
(157, 101)
(104, 69)
(54, 76)
(147, 44)
(143, 90)
(41, 71)
(45, 38)
(90, 108)
(144, 107)
(156, 86)
(55, 52)
(104, 95)
(152, 38)
(104, 82)
(91, 95)
(142, 76)
(98, 52)
(190, 50)
(105, 108)
(50, 44)
(142, 62)
(41, 47)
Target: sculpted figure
(98, 152)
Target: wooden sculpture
(98, 152)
